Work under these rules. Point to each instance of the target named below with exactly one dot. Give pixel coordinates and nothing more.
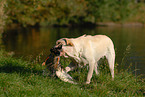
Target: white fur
(89, 49)
(64, 76)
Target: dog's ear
(64, 41)
(68, 42)
(61, 41)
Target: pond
(31, 42)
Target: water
(28, 43)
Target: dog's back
(98, 45)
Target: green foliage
(45, 12)
(2, 16)
(20, 78)
(110, 10)
(68, 12)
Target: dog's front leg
(90, 73)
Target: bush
(68, 12)
(45, 12)
(2, 15)
(110, 10)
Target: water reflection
(33, 41)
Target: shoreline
(129, 24)
(98, 24)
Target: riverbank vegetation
(2, 16)
(24, 78)
(71, 12)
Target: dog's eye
(59, 43)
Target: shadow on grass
(18, 69)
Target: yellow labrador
(88, 49)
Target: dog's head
(52, 62)
(66, 41)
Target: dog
(87, 49)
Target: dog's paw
(87, 82)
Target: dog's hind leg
(111, 59)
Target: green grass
(20, 78)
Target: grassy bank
(20, 78)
